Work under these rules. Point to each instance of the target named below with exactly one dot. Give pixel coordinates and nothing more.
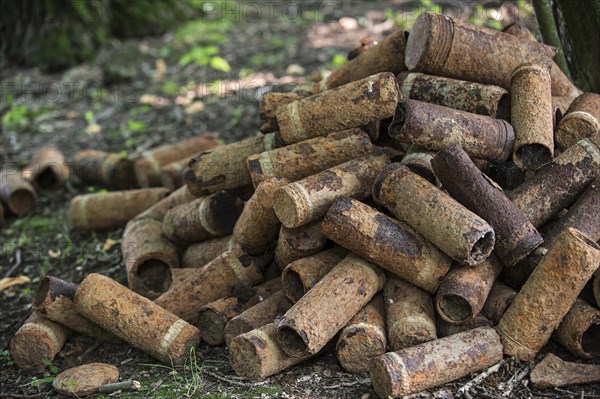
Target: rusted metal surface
(16, 194)
(435, 127)
(85, 380)
(294, 244)
(148, 165)
(386, 242)
(199, 254)
(171, 175)
(229, 273)
(365, 44)
(301, 275)
(579, 330)
(158, 211)
(269, 103)
(557, 185)
(257, 227)
(410, 317)
(301, 160)
(548, 294)
(363, 338)
(106, 211)
(419, 161)
(355, 104)
(443, 46)
(224, 167)
(36, 342)
(47, 170)
(436, 362)
(466, 96)
(458, 232)
(135, 319)
(307, 200)
(515, 235)
(498, 300)
(105, 169)
(532, 116)
(386, 56)
(318, 316)
(581, 120)
(464, 290)
(553, 372)
(445, 329)
(206, 217)
(53, 299)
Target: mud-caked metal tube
(350, 106)
(445, 329)
(300, 160)
(557, 185)
(311, 322)
(548, 294)
(466, 96)
(363, 338)
(434, 363)
(269, 103)
(309, 199)
(224, 167)
(410, 317)
(436, 127)
(444, 46)
(47, 170)
(106, 169)
(16, 193)
(419, 160)
(464, 290)
(135, 319)
(386, 242)
(515, 235)
(258, 226)
(532, 116)
(301, 275)
(37, 341)
(171, 175)
(498, 300)
(199, 254)
(227, 274)
(581, 120)
(450, 226)
(578, 331)
(294, 244)
(203, 218)
(106, 211)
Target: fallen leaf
(93, 128)
(195, 107)
(109, 244)
(161, 68)
(151, 99)
(54, 254)
(10, 281)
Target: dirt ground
(139, 94)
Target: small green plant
(52, 370)
(337, 61)
(135, 126)
(205, 56)
(6, 358)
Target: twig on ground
(17, 263)
(232, 381)
(464, 390)
(129, 385)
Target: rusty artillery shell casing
(301, 275)
(434, 363)
(386, 242)
(203, 218)
(16, 194)
(548, 294)
(257, 227)
(177, 275)
(53, 299)
(149, 163)
(213, 316)
(47, 170)
(466, 96)
(269, 103)
(37, 341)
(262, 313)
(135, 319)
(443, 46)
(256, 354)
(409, 313)
(515, 235)
(294, 244)
(106, 211)
(553, 372)
(224, 167)
(455, 230)
(227, 274)
(350, 106)
(581, 120)
(560, 106)
(464, 290)
(435, 127)
(106, 169)
(171, 175)
(498, 300)
(578, 330)
(561, 85)
(445, 329)
(596, 289)
(309, 199)
(199, 254)
(148, 257)
(419, 160)
(363, 338)
(300, 160)
(557, 185)
(532, 116)
(158, 211)
(385, 56)
(315, 319)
